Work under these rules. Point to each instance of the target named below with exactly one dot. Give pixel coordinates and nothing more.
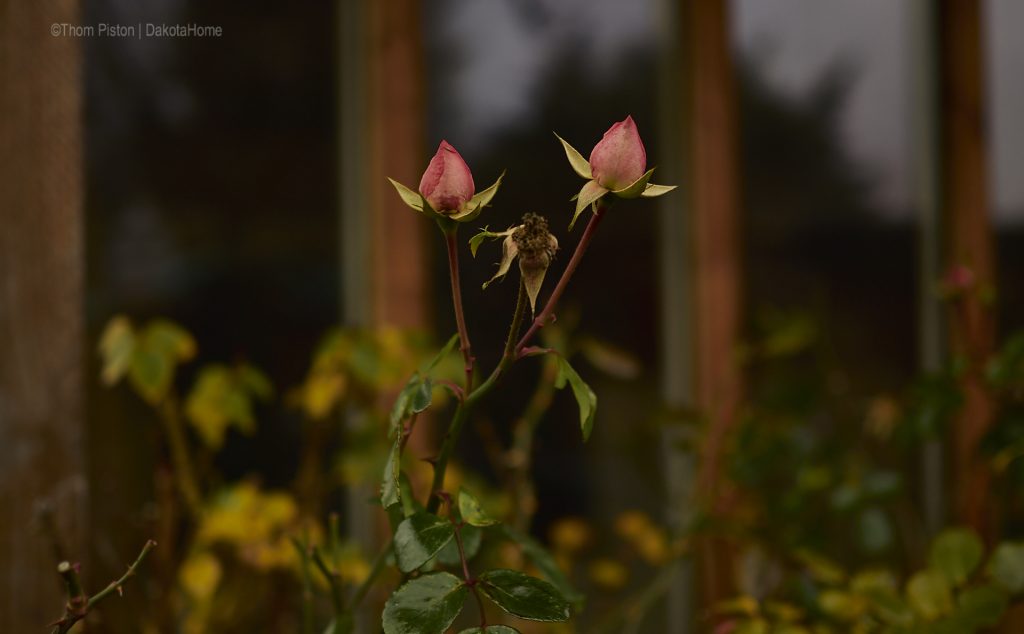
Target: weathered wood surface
(41, 273)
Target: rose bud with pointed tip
(447, 184)
(619, 158)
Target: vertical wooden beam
(384, 259)
(964, 159)
(713, 183)
(41, 273)
(397, 137)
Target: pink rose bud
(619, 158)
(447, 184)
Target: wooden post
(713, 183)
(397, 129)
(972, 325)
(41, 273)
(385, 260)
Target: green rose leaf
(441, 354)
(956, 553)
(341, 625)
(472, 537)
(524, 596)
(929, 594)
(117, 346)
(169, 339)
(158, 349)
(1006, 567)
(471, 511)
(980, 607)
(889, 607)
(390, 493)
(418, 538)
(425, 605)
(585, 397)
(222, 397)
(478, 239)
(151, 374)
(545, 564)
(491, 629)
(413, 399)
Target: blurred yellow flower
(256, 523)
(200, 575)
(609, 574)
(631, 524)
(570, 534)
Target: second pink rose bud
(619, 158)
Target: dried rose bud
(536, 248)
(532, 244)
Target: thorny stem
(337, 598)
(520, 455)
(471, 582)
(545, 315)
(451, 239)
(307, 585)
(517, 322)
(78, 605)
(465, 407)
(375, 569)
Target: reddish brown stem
(549, 308)
(451, 240)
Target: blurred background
(809, 346)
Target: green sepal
(491, 629)
(653, 191)
(579, 164)
(590, 194)
(411, 198)
(509, 252)
(477, 203)
(636, 189)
